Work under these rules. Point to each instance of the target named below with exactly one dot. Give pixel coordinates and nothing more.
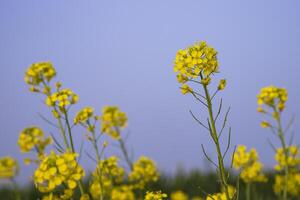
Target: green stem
(69, 130)
(285, 149)
(63, 132)
(248, 191)
(125, 153)
(214, 135)
(98, 156)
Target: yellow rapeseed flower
(55, 170)
(83, 115)
(185, 89)
(273, 97)
(179, 195)
(158, 195)
(198, 61)
(144, 171)
(39, 72)
(293, 184)
(292, 161)
(8, 167)
(122, 193)
(32, 138)
(112, 121)
(222, 84)
(62, 98)
(248, 163)
(222, 195)
(106, 175)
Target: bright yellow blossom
(8, 167)
(158, 195)
(39, 72)
(292, 161)
(179, 195)
(144, 171)
(112, 120)
(83, 115)
(198, 61)
(293, 184)
(273, 97)
(222, 196)
(248, 163)
(105, 176)
(185, 89)
(85, 197)
(55, 170)
(122, 193)
(62, 98)
(198, 58)
(32, 138)
(222, 84)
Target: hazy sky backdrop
(121, 53)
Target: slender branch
(208, 158)
(224, 123)
(228, 144)
(219, 110)
(48, 121)
(197, 120)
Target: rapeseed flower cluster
(9, 167)
(32, 138)
(38, 73)
(112, 121)
(290, 160)
(122, 193)
(62, 98)
(56, 170)
(144, 171)
(84, 115)
(248, 163)
(157, 195)
(293, 184)
(179, 195)
(273, 97)
(198, 61)
(222, 196)
(107, 175)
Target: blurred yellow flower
(9, 167)
(62, 98)
(144, 171)
(112, 120)
(248, 163)
(179, 195)
(32, 138)
(158, 195)
(83, 115)
(39, 72)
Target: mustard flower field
(238, 173)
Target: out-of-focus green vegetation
(193, 183)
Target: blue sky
(122, 52)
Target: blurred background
(121, 53)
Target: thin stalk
(63, 132)
(125, 153)
(69, 130)
(98, 156)
(80, 183)
(248, 191)
(214, 135)
(286, 153)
